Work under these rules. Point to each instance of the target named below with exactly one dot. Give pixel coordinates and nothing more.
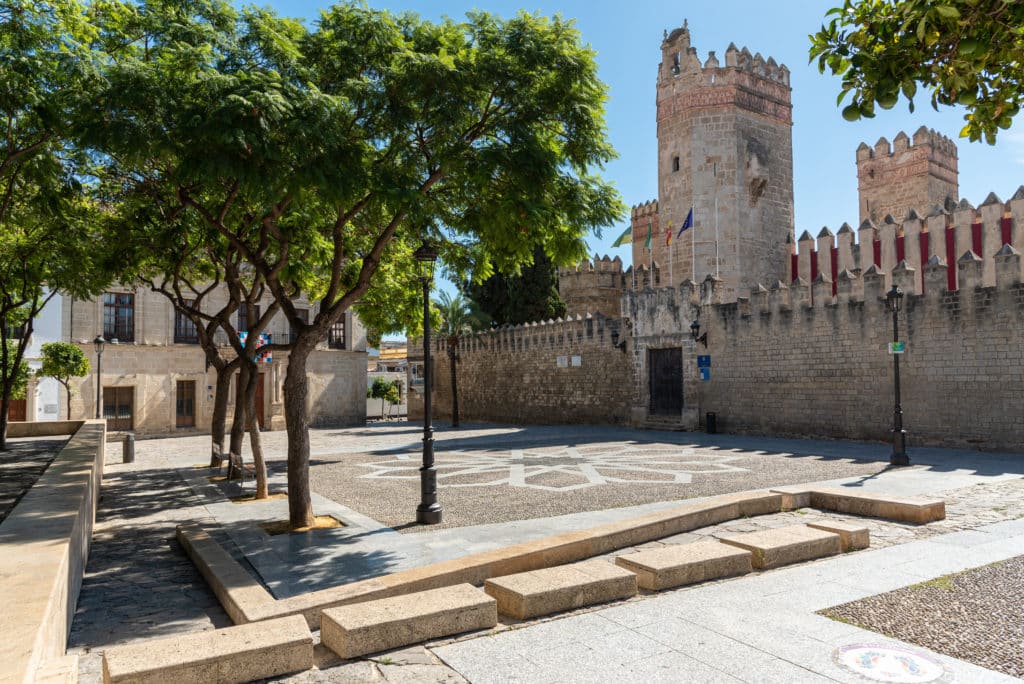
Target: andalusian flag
(625, 238)
(647, 243)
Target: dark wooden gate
(16, 411)
(119, 408)
(666, 380)
(185, 409)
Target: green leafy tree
(965, 52)
(325, 157)
(458, 317)
(524, 297)
(386, 391)
(19, 382)
(50, 238)
(63, 361)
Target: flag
(687, 224)
(647, 244)
(625, 238)
(668, 236)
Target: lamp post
(893, 303)
(98, 343)
(429, 510)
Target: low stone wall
(43, 428)
(44, 545)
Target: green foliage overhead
(63, 361)
(459, 316)
(964, 52)
(18, 375)
(530, 296)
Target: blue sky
(627, 38)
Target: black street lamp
(893, 303)
(98, 343)
(429, 510)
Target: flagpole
(716, 219)
(671, 279)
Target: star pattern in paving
(562, 469)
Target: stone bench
(785, 545)
(233, 654)
(912, 509)
(682, 564)
(851, 535)
(554, 590)
(373, 626)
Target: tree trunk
(220, 412)
(262, 490)
(238, 419)
(67, 392)
(300, 504)
(5, 404)
(453, 346)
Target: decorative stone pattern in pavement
(139, 584)
(20, 467)
(986, 606)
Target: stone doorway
(666, 381)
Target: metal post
(453, 359)
(429, 510)
(899, 436)
(99, 380)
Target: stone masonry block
(785, 545)
(852, 536)
(681, 564)
(561, 588)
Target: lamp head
(426, 256)
(695, 329)
(894, 299)
(98, 343)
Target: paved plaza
(503, 485)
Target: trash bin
(711, 423)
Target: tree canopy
(524, 297)
(63, 361)
(965, 52)
(324, 157)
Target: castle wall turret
(725, 149)
(920, 174)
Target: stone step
(561, 588)
(852, 536)
(373, 626)
(680, 564)
(785, 545)
(233, 654)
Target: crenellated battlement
(680, 61)
(893, 178)
(565, 335)
(644, 210)
(916, 240)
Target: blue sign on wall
(705, 374)
(704, 361)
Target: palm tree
(458, 317)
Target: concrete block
(678, 565)
(793, 497)
(554, 590)
(234, 654)
(785, 545)
(851, 535)
(62, 670)
(373, 626)
(913, 509)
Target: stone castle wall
(573, 371)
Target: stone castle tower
(919, 175)
(725, 149)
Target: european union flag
(687, 224)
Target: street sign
(705, 374)
(897, 347)
(704, 361)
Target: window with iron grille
(293, 333)
(119, 316)
(185, 330)
(118, 405)
(247, 317)
(336, 336)
(14, 332)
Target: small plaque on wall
(562, 361)
(577, 361)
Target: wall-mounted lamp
(695, 334)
